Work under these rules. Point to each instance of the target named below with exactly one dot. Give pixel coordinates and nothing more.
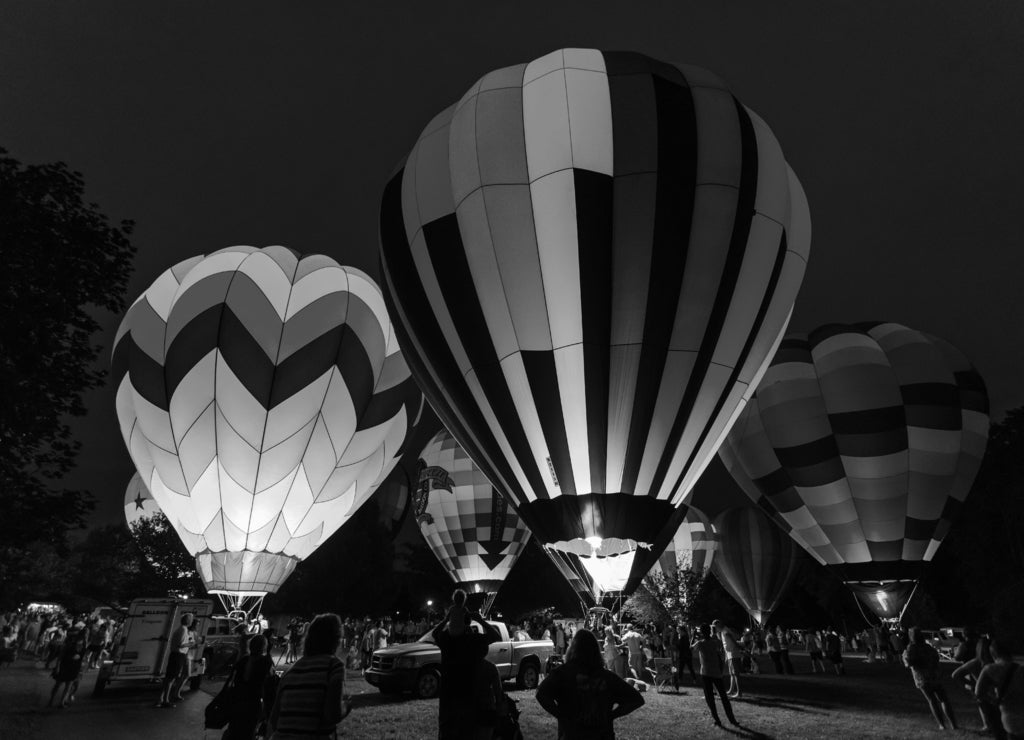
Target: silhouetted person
(250, 677)
(456, 709)
(711, 656)
(584, 696)
(311, 698)
(923, 661)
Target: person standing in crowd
(834, 651)
(584, 696)
(812, 643)
(711, 659)
(923, 661)
(489, 700)
(783, 636)
(8, 646)
(731, 648)
(456, 711)
(97, 643)
(68, 671)
(560, 641)
(772, 640)
(30, 636)
(380, 636)
(882, 643)
(967, 675)
(291, 653)
(311, 699)
(634, 642)
(684, 655)
(1001, 686)
(177, 662)
(252, 690)
(367, 644)
(611, 650)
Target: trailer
(140, 654)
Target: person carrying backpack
(584, 696)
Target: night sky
(213, 124)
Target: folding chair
(663, 673)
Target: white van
(141, 652)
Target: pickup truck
(416, 666)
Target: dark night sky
(214, 124)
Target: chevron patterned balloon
(262, 397)
(469, 526)
(139, 503)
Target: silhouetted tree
(977, 575)
(62, 262)
(169, 568)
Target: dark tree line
(63, 263)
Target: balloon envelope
(590, 259)
(862, 442)
(139, 503)
(394, 499)
(755, 561)
(468, 524)
(262, 397)
(692, 547)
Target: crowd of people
(66, 645)
(602, 667)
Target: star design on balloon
(138, 502)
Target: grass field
(871, 701)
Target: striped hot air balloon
(590, 259)
(755, 561)
(468, 524)
(692, 547)
(862, 442)
(262, 397)
(139, 503)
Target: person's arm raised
(492, 633)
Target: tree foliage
(169, 567)
(977, 575)
(63, 262)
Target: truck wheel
(528, 677)
(195, 682)
(428, 683)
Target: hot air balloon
(138, 502)
(862, 442)
(692, 548)
(262, 396)
(590, 259)
(755, 560)
(393, 499)
(468, 524)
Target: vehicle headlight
(405, 663)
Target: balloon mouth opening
(607, 561)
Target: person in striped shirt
(311, 699)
